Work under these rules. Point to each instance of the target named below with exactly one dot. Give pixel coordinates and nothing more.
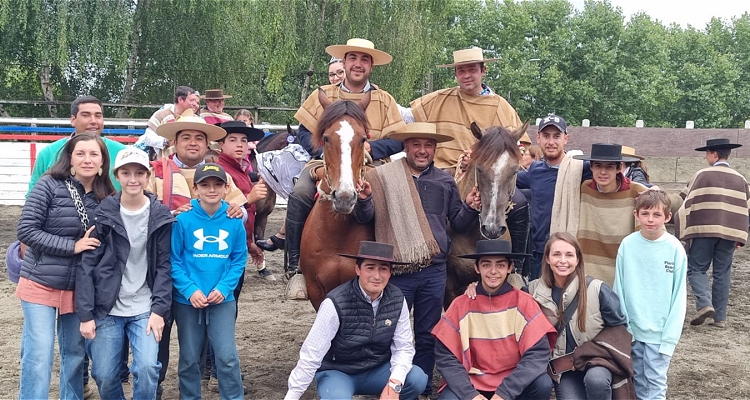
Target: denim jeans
(536, 264)
(702, 252)
(38, 352)
(193, 325)
(424, 290)
(650, 368)
(106, 350)
(595, 384)
(539, 389)
(332, 384)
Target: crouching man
(361, 340)
(496, 345)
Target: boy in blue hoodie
(209, 253)
(650, 280)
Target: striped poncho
(716, 204)
(605, 219)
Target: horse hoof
(296, 288)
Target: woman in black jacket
(124, 289)
(54, 226)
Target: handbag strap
(78, 203)
(572, 307)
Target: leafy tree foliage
(593, 63)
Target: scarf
(401, 223)
(567, 203)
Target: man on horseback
(359, 56)
(347, 357)
(453, 110)
(415, 201)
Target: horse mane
(334, 113)
(495, 141)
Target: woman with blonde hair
(579, 307)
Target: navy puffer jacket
(50, 227)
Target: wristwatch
(395, 386)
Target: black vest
(363, 340)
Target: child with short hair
(650, 279)
(209, 253)
(124, 286)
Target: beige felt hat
(629, 152)
(525, 139)
(379, 57)
(188, 120)
(471, 55)
(422, 130)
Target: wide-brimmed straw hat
(718, 144)
(628, 151)
(374, 251)
(379, 57)
(607, 152)
(423, 130)
(472, 55)
(215, 94)
(486, 248)
(252, 133)
(188, 120)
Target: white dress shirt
(324, 329)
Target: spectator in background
(86, 115)
(335, 71)
(529, 154)
(636, 170)
(713, 220)
(214, 113)
(244, 115)
(184, 98)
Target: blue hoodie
(208, 252)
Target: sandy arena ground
(708, 363)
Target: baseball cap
(131, 155)
(210, 170)
(554, 120)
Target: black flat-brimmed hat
(718, 144)
(252, 133)
(486, 248)
(607, 152)
(374, 251)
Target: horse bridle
(511, 204)
(329, 196)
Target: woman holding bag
(54, 224)
(579, 307)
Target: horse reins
(329, 196)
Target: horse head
(494, 163)
(342, 133)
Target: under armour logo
(211, 239)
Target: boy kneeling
(495, 346)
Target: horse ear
(476, 131)
(366, 100)
(518, 133)
(323, 99)
(289, 130)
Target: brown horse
(494, 163)
(330, 229)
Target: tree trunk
(129, 90)
(47, 92)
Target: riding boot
(296, 214)
(518, 227)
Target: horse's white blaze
(497, 170)
(346, 135)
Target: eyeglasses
(337, 73)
